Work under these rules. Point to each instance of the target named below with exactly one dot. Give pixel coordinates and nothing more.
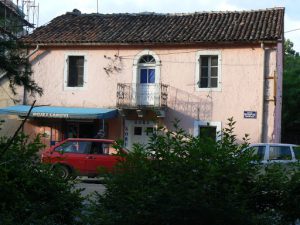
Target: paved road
(90, 185)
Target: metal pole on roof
(97, 6)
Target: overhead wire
(195, 62)
(292, 30)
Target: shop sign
(126, 136)
(250, 114)
(51, 115)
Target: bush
(29, 191)
(180, 179)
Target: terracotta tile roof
(238, 26)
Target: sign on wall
(50, 115)
(250, 114)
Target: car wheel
(62, 171)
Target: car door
(100, 157)
(74, 153)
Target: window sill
(218, 89)
(74, 88)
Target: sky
(49, 9)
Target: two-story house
(126, 74)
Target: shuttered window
(208, 71)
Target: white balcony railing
(131, 95)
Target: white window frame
(66, 71)
(137, 66)
(197, 75)
(202, 123)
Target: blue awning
(60, 112)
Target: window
(259, 152)
(148, 59)
(74, 147)
(147, 76)
(206, 129)
(97, 148)
(297, 152)
(280, 153)
(149, 131)
(208, 70)
(75, 71)
(100, 148)
(137, 130)
(108, 149)
(147, 69)
(208, 132)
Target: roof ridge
(146, 13)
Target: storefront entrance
(57, 123)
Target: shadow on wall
(41, 55)
(189, 105)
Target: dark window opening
(75, 71)
(208, 132)
(80, 130)
(149, 130)
(137, 130)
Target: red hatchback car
(81, 156)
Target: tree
(288, 48)
(30, 192)
(290, 96)
(16, 67)
(14, 64)
(181, 179)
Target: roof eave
(62, 44)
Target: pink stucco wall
(241, 84)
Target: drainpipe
(34, 51)
(27, 57)
(262, 128)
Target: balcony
(136, 96)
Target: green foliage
(181, 179)
(30, 193)
(290, 97)
(15, 65)
(288, 48)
